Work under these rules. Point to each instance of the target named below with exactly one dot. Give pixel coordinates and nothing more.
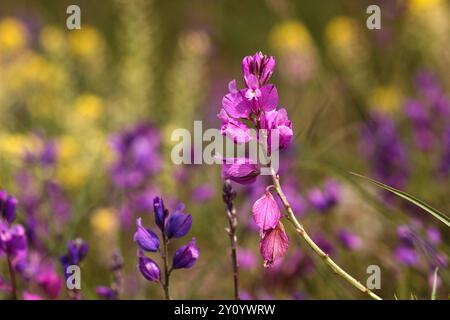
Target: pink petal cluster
(256, 104)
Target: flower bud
(160, 212)
(149, 269)
(146, 239)
(266, 213)
(7, 207)
(186, 256)
(178, 224)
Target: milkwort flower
(76, 252)
(255, 106)
(171, 226)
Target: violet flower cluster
(13, 242)
(137, 162)
(171, 226)
(255, 106)
(382, 146)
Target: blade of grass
(433, 292)
(434, 212)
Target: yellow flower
(14, 145)
(13, 35)
(104, 221)
(418, 6)
(67, 148)
(290, 35)
(387, 98)
(72, 174)
(341, 31)
(52, 39)
(88, 107)
(86, 42)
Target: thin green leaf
(435, 279)
(436, 213)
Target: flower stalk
(167, 271)
(325, 257)
(12, 276)
(228, 196)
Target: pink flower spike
(266, 213)
(273, 245)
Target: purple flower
(186, 256)
(273, 245)
(203, 193)
(106, 293)
(138, 157)
(178, 224)
(7, 207)
(406, 255)
(13, 240)
(146, 239)
(382, 147)
(47, 278)
(349, 239)
(323, 200)
(444, 165)
(76, 251)
(246, 259)
(240, 170)
(266, 213)
(324, 243)
(148, 268)
(434, 235)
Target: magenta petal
(266, 213)
(236, 105)
(274, 245)
(269, 98)
(240, 170)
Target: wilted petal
(274, 244)
(186, 256)
(178, 225)
(266, 213)
(146, 239)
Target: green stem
(325, 257)
(166, 269)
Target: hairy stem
(12, 276)
(228, 196)
(325, 257)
